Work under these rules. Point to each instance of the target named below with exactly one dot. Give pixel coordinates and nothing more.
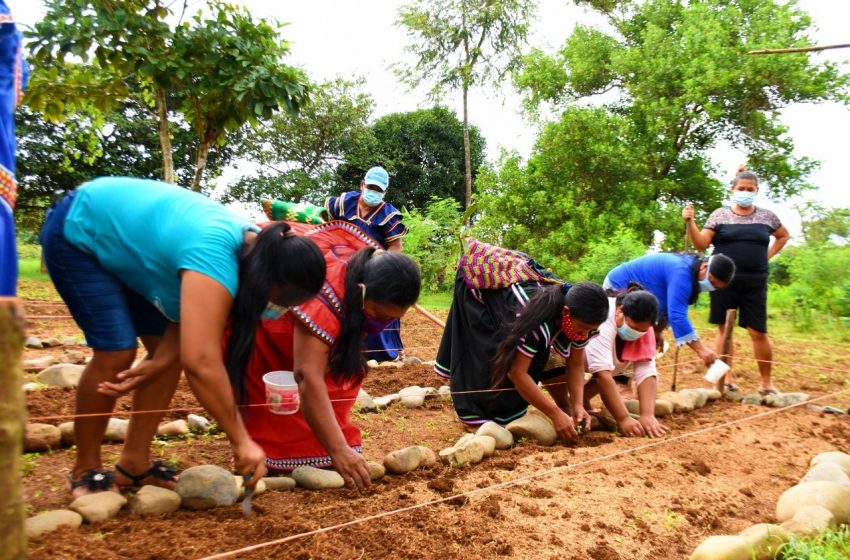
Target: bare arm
(311, 364)
(204, 309)
(781, 237)
(395, 245)
(700, 239)
(532, 394)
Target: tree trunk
(200, 165)
(467, 158)
(164, 136)
(13, 540)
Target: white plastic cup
(716, 372)
(281, 392)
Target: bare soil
(575, 501)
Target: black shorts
(747, 294)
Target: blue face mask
(743, 199)
(372, 198)
(627, 333)
(705, 285)
(273, 311)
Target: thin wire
(513, 482)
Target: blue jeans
(110, 315)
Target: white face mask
(743, 199)
(372, 198)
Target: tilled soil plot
(604, 497)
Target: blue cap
(377, 176)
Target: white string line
(514, 481)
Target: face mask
(374, 326)
(273, 311)
(568, 329)
(743, 198)
(705, 285)
(372, 198)
(627, 333)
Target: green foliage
(601, 256)
(831, 545)
(434, 241)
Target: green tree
(299, 158)
(219, 72)
(642, 104)
(459, 44)
(434, 241)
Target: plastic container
(716, 372)
(281, 392)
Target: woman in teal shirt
(139, 258)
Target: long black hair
(391, 278)
(638, 303)
(587, 302)
(276, 259)
(722, 267)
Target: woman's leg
(763, 350)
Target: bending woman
(626, 338)
(500, 338)
(138, 258)
(322, 342)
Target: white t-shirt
(600, 354)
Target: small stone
(837, 457)
(765, 539)
(32, 387)
(633, 406)
(697, 397)
(412, 360)
(828, 471)
(74, 357)
(365, 403)
(467, 450)
(663, 408)
(430, 392)
(390, 364)
(259, 488)
(533, 426)
(412, 397)
(49, 521)
(153, 500)
(680, 404)
(41, 437)
(71, 341)
(173, 429)
(385, 401)
(33, 342)
(51, 342)
(98, 506)
(40, 364)
(810, 521)
(785, 399)
(429, 458)
(376, 470)
(723, 547)
(404, 460)
(752, 398)
(198, 423)
(116, 429)
(67, 431)
(206, 487)
(317, 479)
(372, 363)
(445, 392)
(61, 375)
(711, 395)
(503, 438)
(829, 495)
(279, 483)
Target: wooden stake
(727, 348)
(428, 314)
(13, 538)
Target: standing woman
(139, 258)
(499, 335)
(743, 232)
(368, 210)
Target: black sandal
(158, 470)
(93, 480)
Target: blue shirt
(145, 232)
(670, 279)
(383, 224)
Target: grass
(435, 300)
(30, 269)
(831, 545)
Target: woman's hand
(707, 356)
(249, 458)
(353, 468)
(630, 427)
(564, 425)
(652, 426)
(131, 379)
(688, 212)
(582, 419)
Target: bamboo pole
(800, 49)
(13, 540)
(726, 350)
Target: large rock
(386, 400)
(40, 364)
(412, 397)
(504, 439)
(173, 429)
(723, 547)
(429, 458)
(116, 429)
(49, 521)
(41, 437)
(785, 399)
(765, 539)
(696, 396)
(680, 403)
(61, 375)
(831, 472)
(317, 479)
(404, 460)
(98, 506)
(376, 470)
(468, 450)
(259, 488)
(153, 500)
(829, 495)
(198, 423)
(710, 394)
(663, 408)
(205, 487)
(445, 392)
(837, 457)
(364, 402)
(810, 521)
(74, 357)
(279, 483)
(67, 431)
(533, 426)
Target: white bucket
(281, 392)
(716, 372)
